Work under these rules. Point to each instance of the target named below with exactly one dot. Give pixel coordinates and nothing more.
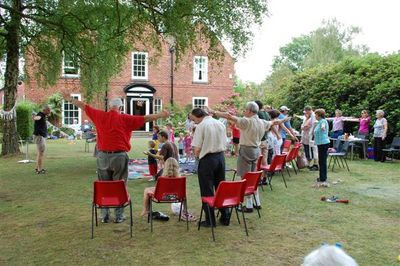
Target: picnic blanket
(139, 168)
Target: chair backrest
(252, 179)
(294, 152)
(395, 142)
(286, 145)
(345, 147)
(170, 189)
(278, 162)
(110, 193)
(336, 144)
(229, 193)
(259, 161)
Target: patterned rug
(139, 168)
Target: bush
(24, 119)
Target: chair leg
(345, 161)
(255, 202)
(151, 215)
(244, 221)
(131, 222)
(330, 160)
(95, 213)
(211, 222)
(294, 167)
(287, 169)
(341, 160)
(186, 212)
(334, 162)
(201, 215)
(270, 180)
(180, 212)
(92, 220)
(234, 176)
(237, 214)
(283, 177)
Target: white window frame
(65, 75)
(199, 98)
(123, 109)
(157, 107)
(78, 97)
(197, 68)
(146, 68)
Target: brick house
(145, 86)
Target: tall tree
(98, 35)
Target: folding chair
(394, 147)
(229, 194)
(340, 157)
(169, 190)
(277, 165)
(252, 181)
(286, 146)
(110, 194)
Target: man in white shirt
(209, 146)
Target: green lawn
(45, 219)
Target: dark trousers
(379, 155)
(308, 152)
(323, 162)
(211, 172)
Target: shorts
(235, 140)
(40, 142)
(153, 169)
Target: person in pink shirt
(187, 141)
(365, 120)
(171, 133)
(338, 123)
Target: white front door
(140, 106)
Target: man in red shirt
(114, 132)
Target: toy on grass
(334, 199)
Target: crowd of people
(261, 130)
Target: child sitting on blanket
(151, 160)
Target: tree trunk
(10, 136)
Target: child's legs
(146, 198)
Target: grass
(45, 219)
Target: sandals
(43, 171)
(188, 217)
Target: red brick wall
(220, 81)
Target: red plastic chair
(297, 145)
(252, 181)
(277, 165)
(110, 194)
(291, 157)
(260, 167)
(169, 190)
(229, 194)
(286, 146)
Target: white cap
(117, 102)
(284, 108)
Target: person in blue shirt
(321, 139)
(286, 128)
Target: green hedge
(24, 119)
(370, 82)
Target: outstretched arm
(72, 100)
(149, 118)
(225, 115)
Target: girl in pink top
(188, 146)
(171, 133)
(365, 119)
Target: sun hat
(284, 108)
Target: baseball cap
(284, 108)
(116, 102)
